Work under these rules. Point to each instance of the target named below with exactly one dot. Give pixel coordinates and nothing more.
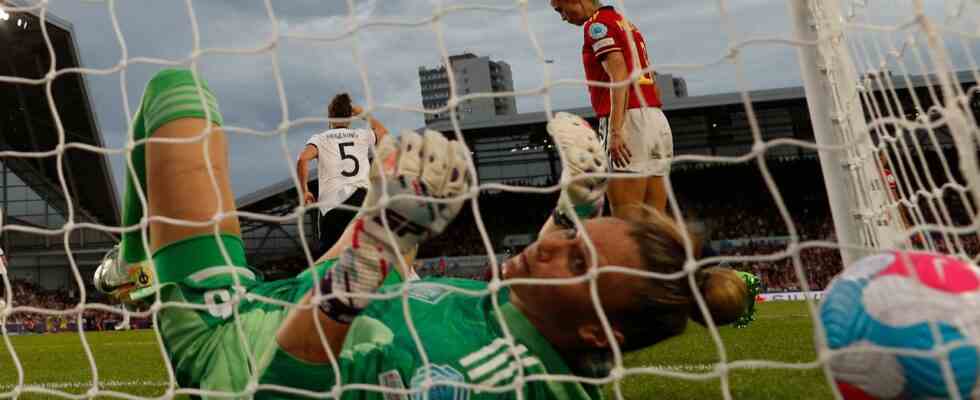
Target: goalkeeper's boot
(583, 157)
(128, 283)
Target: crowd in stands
(27, 294)
(503, 213)
(820, 265)
(460, 239)
(738, 209)
(734, 204)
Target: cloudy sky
(318, 55)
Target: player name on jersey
(340, 134)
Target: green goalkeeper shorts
(216, 329)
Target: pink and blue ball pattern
(888, 301)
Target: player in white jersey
(342, 155)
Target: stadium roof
(684, 103)
(273, 195)
(28, 125)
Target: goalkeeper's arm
(374, 250)
(298, 336)
(582, 160)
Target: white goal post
(871, 153)
(898, 173)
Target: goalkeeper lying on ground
(227, 331)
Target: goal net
(886, 135)
(902, 99)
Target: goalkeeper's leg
(199, 259)
(180, 186)
(176, 178)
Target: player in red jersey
(893, 195)
(632, 125)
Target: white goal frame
(865, 217)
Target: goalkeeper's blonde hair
(665, 305)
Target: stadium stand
(31, 193)
(28, 294)
(731, 201)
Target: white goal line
(88, 384)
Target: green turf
(782, 332)
(130, 362)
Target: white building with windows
(473, 74)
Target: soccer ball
(883, 305)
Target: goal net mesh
(902, 109)
(905, 108)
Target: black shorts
(333, 224)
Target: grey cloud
(680, 33)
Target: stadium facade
(32, 193)
(516, 149)
(269, 241)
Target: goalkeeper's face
(565, 254)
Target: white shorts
(648, 138)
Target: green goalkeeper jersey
(463, 344)
(218, 320)
(211, 343)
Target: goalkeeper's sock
(170, 95)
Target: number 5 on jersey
(344, 156)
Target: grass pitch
(131, 362)
(782, 332)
